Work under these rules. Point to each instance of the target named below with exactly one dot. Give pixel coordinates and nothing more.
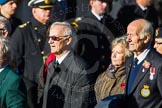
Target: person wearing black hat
(7, 10)
(95, 33)
(140, 9)
(158, 40)
(30, 47)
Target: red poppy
(122, 85)
(146, 64)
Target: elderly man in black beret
(158, 40)
(30, 47)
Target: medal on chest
(145, 91)
(152, 73)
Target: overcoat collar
(63, 67)
(3, 75)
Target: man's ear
(68, 40)
(90, 2)
(147, 38)
(33, 10)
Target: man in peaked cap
(95, 32)
(158, 40)
(30, 47)
(7, 10)
(43, 4)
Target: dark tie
(133, 74)
(56, 69)
(55, 63)
(135, 61)
(102, 20)
(144, 11)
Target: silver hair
(121, 40)
(68, 31)
(5, 24)
(147, 30)
(5, 53)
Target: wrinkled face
(58, 41)
(9, 7)
(135, 43)
(98, 7)
(42, 15)
(158, 45)
(118, 55)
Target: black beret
(2, 2)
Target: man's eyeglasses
(56, 38)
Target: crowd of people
(108, 58)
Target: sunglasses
(56, 38)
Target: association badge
(145, 92)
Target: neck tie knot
(135, 61)
(56, 63)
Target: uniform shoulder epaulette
(24, 24)
(75, 22)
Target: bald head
(142, 26)
(139, 33)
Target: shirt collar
(97, 16)
(1, 69)
(142, 7)
(62, 58)
(142, 56)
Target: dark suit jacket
(68, 86)
(139, 96)
(131, 12)
(12, 90)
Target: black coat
(94, 39)
(131, 12)
(68, 85)
(146, 93)
(29, 46)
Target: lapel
(138, 11)
(63, 67)
(91, 16)
(128, 69)
(3, 75)
(142, 73)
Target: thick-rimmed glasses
(56, 38)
